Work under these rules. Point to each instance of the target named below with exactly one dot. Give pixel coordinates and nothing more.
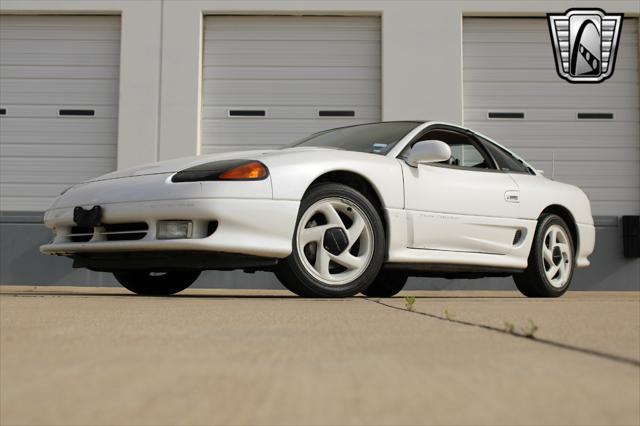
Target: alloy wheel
(335, 241)
(556, 255)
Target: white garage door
(270, 80)
(59, 105)
(587, 135)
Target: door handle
(512, 196)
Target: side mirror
(432, 151)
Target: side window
(464, 152)
(505, 160)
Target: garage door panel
(589, 182)
(520, 32)
(519, 37)
(549, 77)
(64, 59)
(286, 92)
(52, 91)
(26, 203)
(90, 33)
(41, 191)
(50, 63)
(248, 126)
(570, 133)
(262, 59)
(290, 113)
(58, 150)
(59, 170)
(320, 99)
(42, 46)
(325, 25)
(76, 138)
(548, 143)
(311, 34)
(59, 72)
(61, 125)
(286, 47)
(509, 67)
(515, 102)
(538, 63)
(609, 208)
(603, 169)
(559, 114)
(290, 68)
(601, 154)
(611, 194)
(17, 112)
(287, 73)
(541, 48)
(551, 91)
(54, 24)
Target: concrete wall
(160, 88)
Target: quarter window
(506, 161)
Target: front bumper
(257, 227)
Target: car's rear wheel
(551, 260)
(388, 283)
(338, 244)
(148, 283)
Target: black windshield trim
(354, 125)
(319, 139)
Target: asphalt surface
(103, 356)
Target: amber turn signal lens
(249, 171)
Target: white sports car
(343, 211)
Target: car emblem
(585, 43)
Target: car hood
(173, 166)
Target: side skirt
(452, 270)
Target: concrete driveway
(104, 356)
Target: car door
(466, 204)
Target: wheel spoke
(552, 271)
(548, 255)
(562, 267)
(553, 237)
(313, 234)
(331, 215)
(355, 230)
(347, 260)
(322, 262)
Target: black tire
(388, 283)
(292, 273)
(145, 283)
(533, 282)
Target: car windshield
(375, 138)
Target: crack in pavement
(548, 342)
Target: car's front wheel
(338, 244)
(551, 260)
(149, 283)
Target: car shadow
(237, 294)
